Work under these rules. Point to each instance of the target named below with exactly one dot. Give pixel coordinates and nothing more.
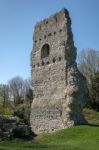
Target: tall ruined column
(59, 88)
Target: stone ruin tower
(59, 88)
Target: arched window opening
(45, 51)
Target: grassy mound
(76, 138)
(84, 137)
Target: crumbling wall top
(57, 18)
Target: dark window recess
(54, 60)
(49, 34)
(60, 30)
(40, 39)
(33, 66)
(35, 41)
(59, 58)
(46, 22)
(54, 33)
(47, 63)
(43, 63)
(45, 51)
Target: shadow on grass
(51, 147)
(88, 124)
(93, 125)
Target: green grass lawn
(75, 138)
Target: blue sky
(17, 20)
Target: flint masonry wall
(53, 52)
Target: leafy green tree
(4, 93)
(5, 103)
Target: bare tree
(16, 86)
(21, 91)
(88, 63)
